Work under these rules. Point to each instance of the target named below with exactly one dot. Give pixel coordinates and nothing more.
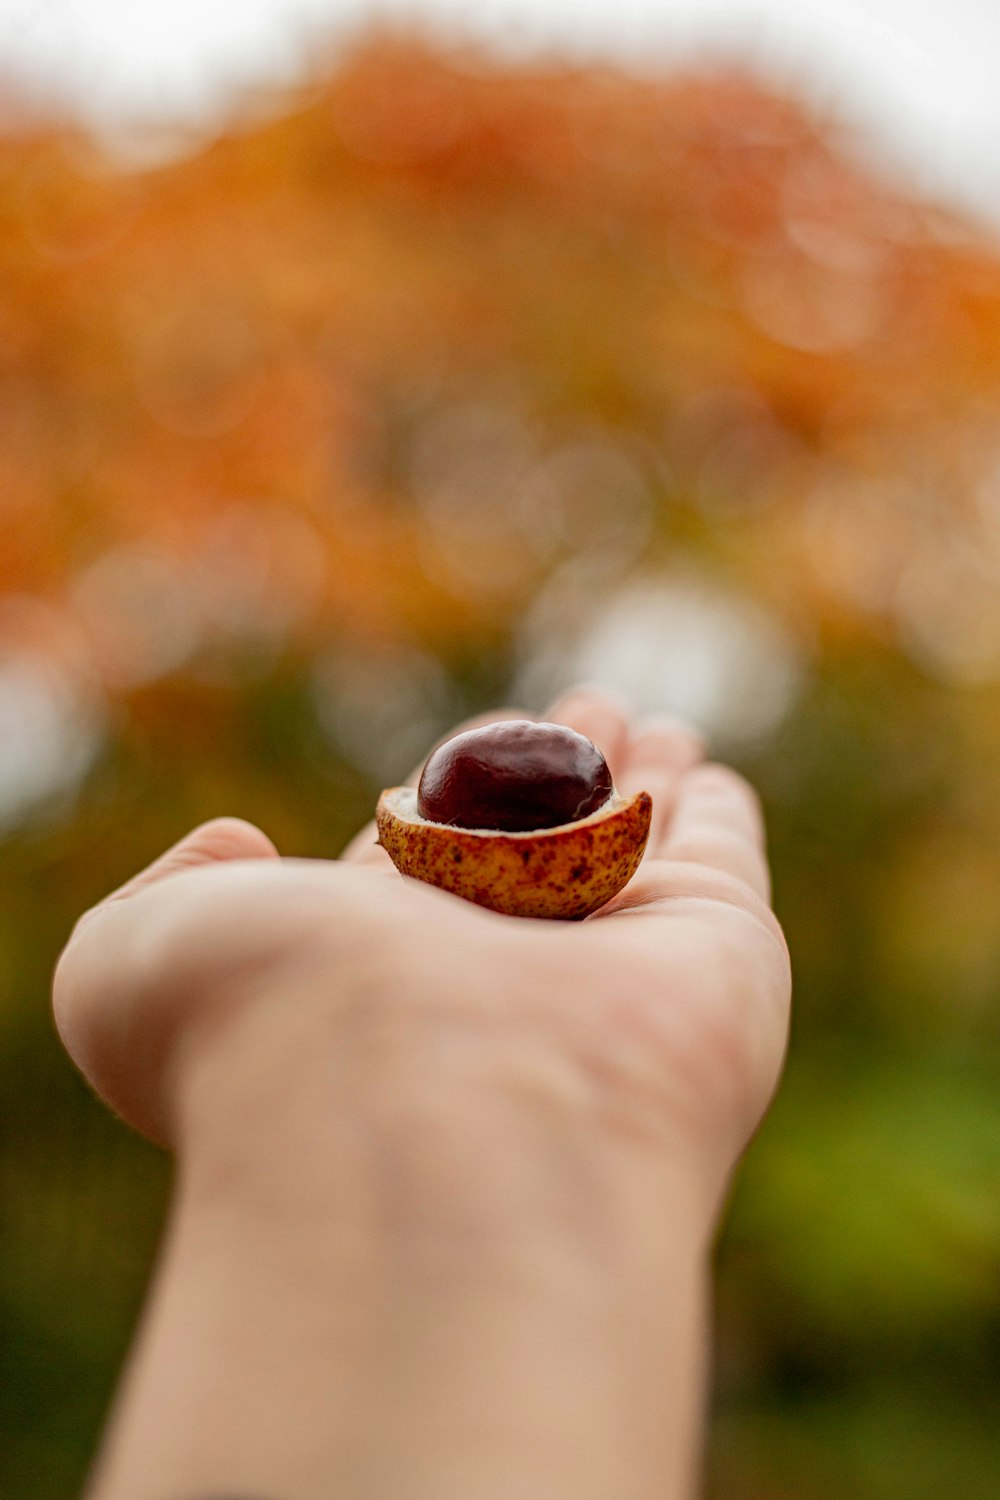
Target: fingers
(717, 823)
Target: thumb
(210, 843)
(102, 1010)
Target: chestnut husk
(562, 873)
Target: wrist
(321, 1362)
(442, 1118)
(459, 1285)
(477, 1324)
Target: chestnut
(514, 776)
(519, 817)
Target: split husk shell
(564, 873)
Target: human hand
(463, 1168)
(670, 1004)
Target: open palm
(665, 1012)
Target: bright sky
(918, 76)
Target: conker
(514, 776)
(520, 818)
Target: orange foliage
(228, 359)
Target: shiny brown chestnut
(514, 776)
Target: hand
(524, 1127)
(674, 997)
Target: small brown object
(514, 776)
(562, 869)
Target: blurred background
(364, 366)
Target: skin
(447, 1181)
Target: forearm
(413, 1281)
